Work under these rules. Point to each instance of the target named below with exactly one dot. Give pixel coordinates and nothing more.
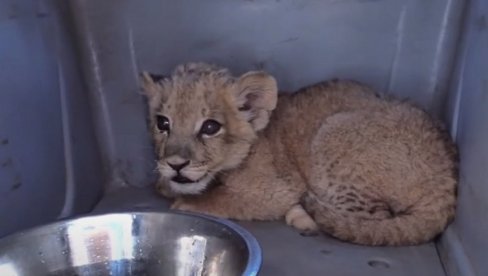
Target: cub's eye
(162, 123)
(210, 127)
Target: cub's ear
(152, 88)
(151, 83)
(256, 96)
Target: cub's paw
(298, 218)
(198, 206)
(183, 205)
(164, 190)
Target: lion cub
(331, 157)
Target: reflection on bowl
(143, 243)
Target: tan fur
(334, 156)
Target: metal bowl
(143, 243)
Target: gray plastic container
(73, 136)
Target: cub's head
(204, 121)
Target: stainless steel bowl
(143, 243)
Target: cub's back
(395, 131)
(378, 171)
(298, 116)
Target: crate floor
(287, 253)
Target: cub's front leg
(222, 202)
(249, 200)
(218, 202)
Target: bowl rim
(255, 252)
(254, 261)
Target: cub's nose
(178, 166)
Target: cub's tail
(415, 225)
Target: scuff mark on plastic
(288, 40)
(17, 184)
(6, 163)
(481, 23)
